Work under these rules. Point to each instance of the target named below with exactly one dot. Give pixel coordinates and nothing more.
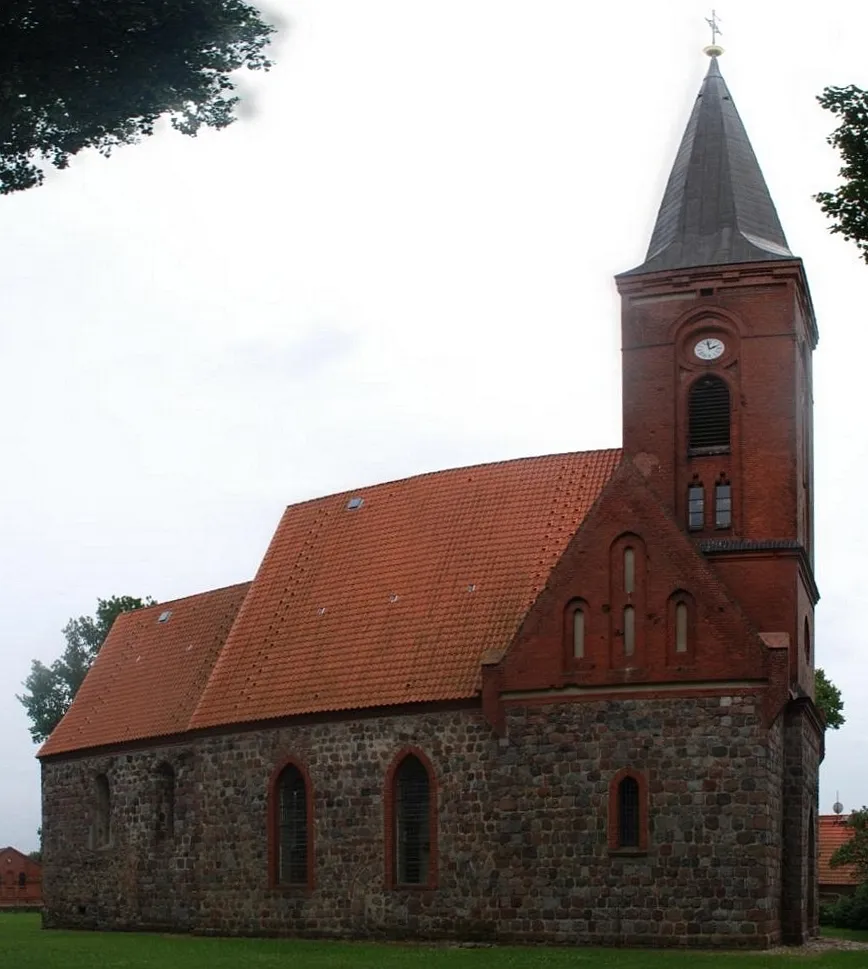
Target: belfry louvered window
(628, 813)
(412, 822)
(292, 827)
(708, 429)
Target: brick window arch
(290, 827)
(628, 812)
(708, 419)
(411, 821)
(102, 826)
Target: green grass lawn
(857, 935)
(24, 945)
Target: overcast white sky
(399, 260)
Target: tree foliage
(855, 851)
(827, 696)
(80, 74)
(847, 206)
(51, 689)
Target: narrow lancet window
(681, 628)
(629, 630)
(696, 507)
(628, 813)
(292, 868)
(579, 634)
(412, 822)
(629, 571)
(723, 505)
(708, 422)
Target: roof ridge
(445, 471)
(193, 595)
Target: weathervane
(714, 49)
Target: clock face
(709, 348)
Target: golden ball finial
(713, 50)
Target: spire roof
(716, 209)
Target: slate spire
(716, 209)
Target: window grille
(628, 813)
(709, 416)
(695, 507)
(412, 822)
(723, 506)
(292, 822)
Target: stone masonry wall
(522, 833)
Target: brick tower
(717, 335)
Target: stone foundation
(522, 848)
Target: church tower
(717, 335)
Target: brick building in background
(833, 832)
(562, 699)
(20, 880)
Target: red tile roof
(397, 601)
(393, 602)
(149, 675)
(833, 832)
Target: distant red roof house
(833, 832)
(20, 880)
(419, 579)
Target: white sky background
(399, 260)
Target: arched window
(708, 418)
(292, 827)
(628, 812)
(22, 879)
(165, 801)
(579, 633)
(411, 822)
(102, 812)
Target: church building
(563, 699)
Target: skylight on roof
(164, 616)
(355, 503)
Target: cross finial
(713, 22)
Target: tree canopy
(80, 74)
(855, 851)
(51, 689)
(847, 206)
(827, 696)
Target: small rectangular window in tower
(723, 506)
(695, 507)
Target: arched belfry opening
(709, 416)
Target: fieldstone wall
(522, 833)
(802, 755)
